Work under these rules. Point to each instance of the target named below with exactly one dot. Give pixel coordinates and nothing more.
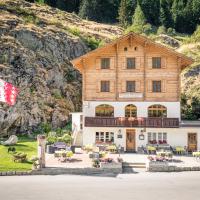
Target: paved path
(147, 186)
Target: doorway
(192, 141)
(130, 140)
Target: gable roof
(185, 60)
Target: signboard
(130, 95)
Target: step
(133, 165)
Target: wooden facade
(143, 51)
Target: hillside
(37, 43)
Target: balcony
(131, 122)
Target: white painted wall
(175, 137)
(76, 120)
(173, 108)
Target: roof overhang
(184, 60)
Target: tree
(138, 20)
(165, 14)
(138, 17)
(151, 9)
(98, 10)
(126, 11)
(123, 16)
(68, 5)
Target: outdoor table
(180, 150)
(164, 153)
(60, 153)
(196, 154)
(151, 149)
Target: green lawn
(24, 145)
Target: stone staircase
(130, 167)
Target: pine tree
(123, 13)
(151, 9)
(138, 17)
(165, 14)
(98, 10)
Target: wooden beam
(144, 74)
(83, 79)
(116, 72)
(179, 60)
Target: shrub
(69, 154)
(161, 30)
(74, 31)
(67, 138)
(171, 31)
(51, 139)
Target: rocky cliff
(37, 43)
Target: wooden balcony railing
(131, 122)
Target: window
(156, 86)
(130, 63)
(104, 110)
(107, 137)
(157, 138)
(157, 111)
(130, 86)
(105, 86)
(130, 111)
(105, 63)
(156, 63)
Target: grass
(25, 145)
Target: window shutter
(138, 86)
(98, 63)
(112, 63)
(149, 86)
(112, 86)
(123, 62)
(163, 85)
(163, 62)
(137, 62)
(149, 62)
(98, 86)
(123, 85)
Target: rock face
(35, 56)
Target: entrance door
(192, 141)
(130, 140)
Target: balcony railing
(132, 122)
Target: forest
(182, 16)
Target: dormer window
(105, 63)
(130, 63)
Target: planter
(50, 149)
(112, 165)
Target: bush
(161, 30)
(67, 138)
(51, 139)
(171, 31)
